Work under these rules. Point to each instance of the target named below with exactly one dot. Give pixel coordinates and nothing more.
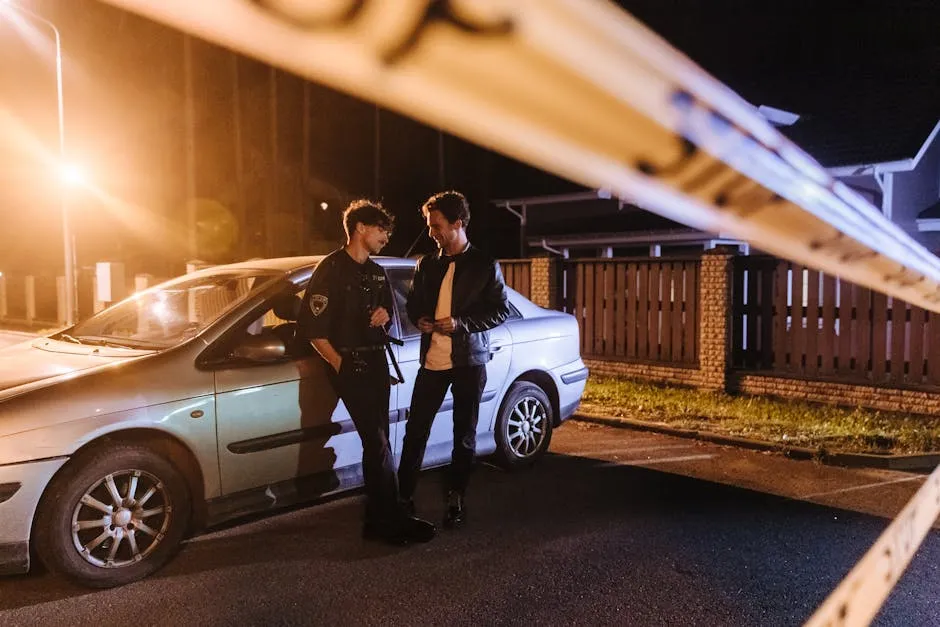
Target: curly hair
(368, 212)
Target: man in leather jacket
(457, 295)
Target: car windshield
(169, 313)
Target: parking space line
(867, 486)
(641, 449)
(663, 460)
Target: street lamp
(63, 189)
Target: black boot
(456, 513)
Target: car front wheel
(524, 425)
(112, 516)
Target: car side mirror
(262, 348)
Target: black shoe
(456, 512)
(415, 529)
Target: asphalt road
(614, 527)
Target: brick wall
(833, 393)
(545, 290)
(715, 328)
(689, 377)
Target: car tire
(524, 425)
(111, 516)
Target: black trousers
(430, 387)
(363, 385)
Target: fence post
(3, 297)
(545, 290)
(715, 304)
(29, 293)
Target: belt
(361, 349)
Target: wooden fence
(645, 311)
(795, 320)
(518, 275)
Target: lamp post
(63, 188)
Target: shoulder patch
(318, 303)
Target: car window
(280, 320)
(171, 312)
(401, 279)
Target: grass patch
(796, 423)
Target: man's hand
(379, 317)
(445, 325)
(425, 324)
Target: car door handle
(496, 347)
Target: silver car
(193, 403)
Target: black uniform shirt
(340, 299)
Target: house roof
(863, 137)
(630, 219)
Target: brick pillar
(546, 281)
(715, 310)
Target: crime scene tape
(858, 598)
(581, 89)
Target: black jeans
(363, 385)
(430, 387)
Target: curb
(920, 462)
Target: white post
(30, 294)
(142, 282)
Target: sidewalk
(916, 463)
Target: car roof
(292, 264)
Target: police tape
(581, 89)
(858, 598)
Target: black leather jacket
(479, 302)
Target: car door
(440, 441)
(281, 421)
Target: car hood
(43, 358)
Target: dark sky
(810, 56)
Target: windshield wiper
(69, 338)
(132, 344)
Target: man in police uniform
(349, 300)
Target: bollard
(142, 282)
(30, 294)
